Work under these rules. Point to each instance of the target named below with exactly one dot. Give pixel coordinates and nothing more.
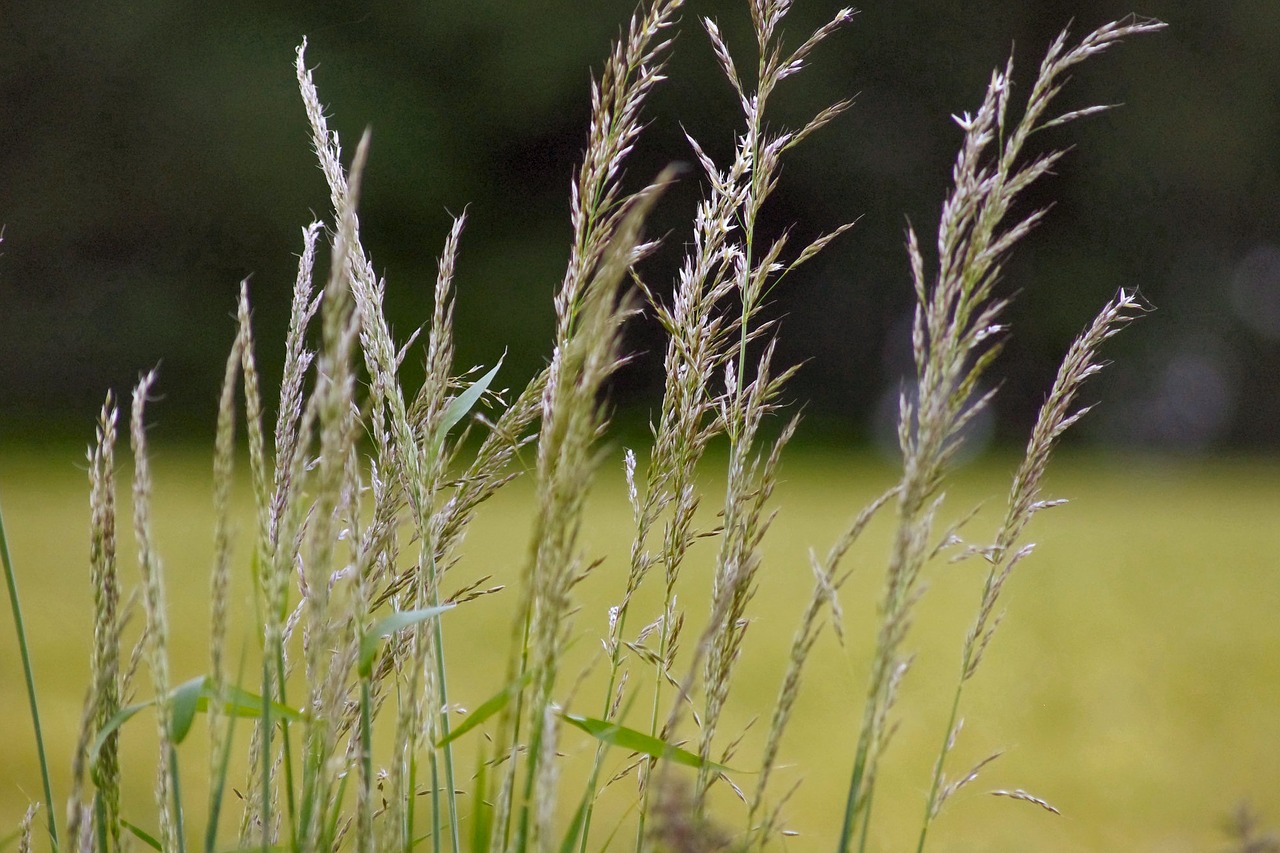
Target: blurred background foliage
(154, 153)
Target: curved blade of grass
(11, 581)
(183, 701)
(487, 709)
(146, 837)
(481, 810)
(460, 405)
(637, 741)
(387, 626)
(187, 699)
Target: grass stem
(19, 626)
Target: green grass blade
(19, 627)
(460, 405)
(144, 836)
(184, 700)
(192, 697)
(387, 626)
(487, 709)
(637, 741)
(244, 703)
(481, 811)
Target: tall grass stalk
(955, 338)
(365, 489)
(19, 626)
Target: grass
(340, 638)
(1115, 689)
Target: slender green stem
(285, 746)
(866, 822)
(852, 804)
(11, 581)
(219, 783)
(100, 822)
(266, 754)
(615, 662)
(936, 784)
(364, 795)
(411, 796)
(516, 721)
(664, 643)
(175, 782)
(450, 795)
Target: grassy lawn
(1134, 684)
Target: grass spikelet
(157, 625)
(104, 661)
(724, 262)
(589, 307)
(1019, 794)
(327, 633)
(24, 829)
(571, 421)
(220, 574)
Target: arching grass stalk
(955, 338)
(1003, 555)
(19, 626)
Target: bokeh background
(153, 154)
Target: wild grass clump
(364, 490)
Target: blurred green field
(1135, 683)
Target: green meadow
(1134, 684)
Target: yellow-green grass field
(1134, 684)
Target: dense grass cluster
(364, 491)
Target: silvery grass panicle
(1057, 415)
(729, 257)
(410, 463)
(157, 623)
(955, 338)
(101, 817)
(590, 307)
(708, 339)
(281, 508)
